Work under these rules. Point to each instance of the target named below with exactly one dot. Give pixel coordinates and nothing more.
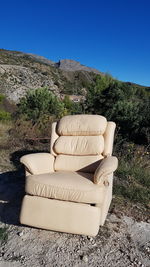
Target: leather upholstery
(106, 167)
(38, 163)
(57, 215)
(54, 137)
(68, 186)
(109, 138)
(70, 189)
(82, 125)
(77, 163)
(79, 145)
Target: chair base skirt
(62, 216)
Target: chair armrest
(107, 166)
(38, 163)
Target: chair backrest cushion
(79, 145)
(79, 142)
(82, 125)
(77, 163)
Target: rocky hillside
(21, 71)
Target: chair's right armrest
(107, 166)
(38, 163)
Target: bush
(40, 102)
(126, 104)
(4, 116)
(38, 109)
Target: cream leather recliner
(70, 188)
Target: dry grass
(5, 146)
(133, 174)
(5, 127)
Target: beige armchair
(70, 188)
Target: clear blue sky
(112, 36)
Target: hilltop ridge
(21, 71)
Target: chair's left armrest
(38, 163)
(107, 166)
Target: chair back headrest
(81, 125)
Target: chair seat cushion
(69, 186)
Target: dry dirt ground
(121, 242)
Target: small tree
(39, 102)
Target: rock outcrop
(72, 65)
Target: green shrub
(126, 104)
(40, 102)
(4, 116)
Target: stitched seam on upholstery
(67, 154)
(86, 132)
(67, 189)
(103, 173)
